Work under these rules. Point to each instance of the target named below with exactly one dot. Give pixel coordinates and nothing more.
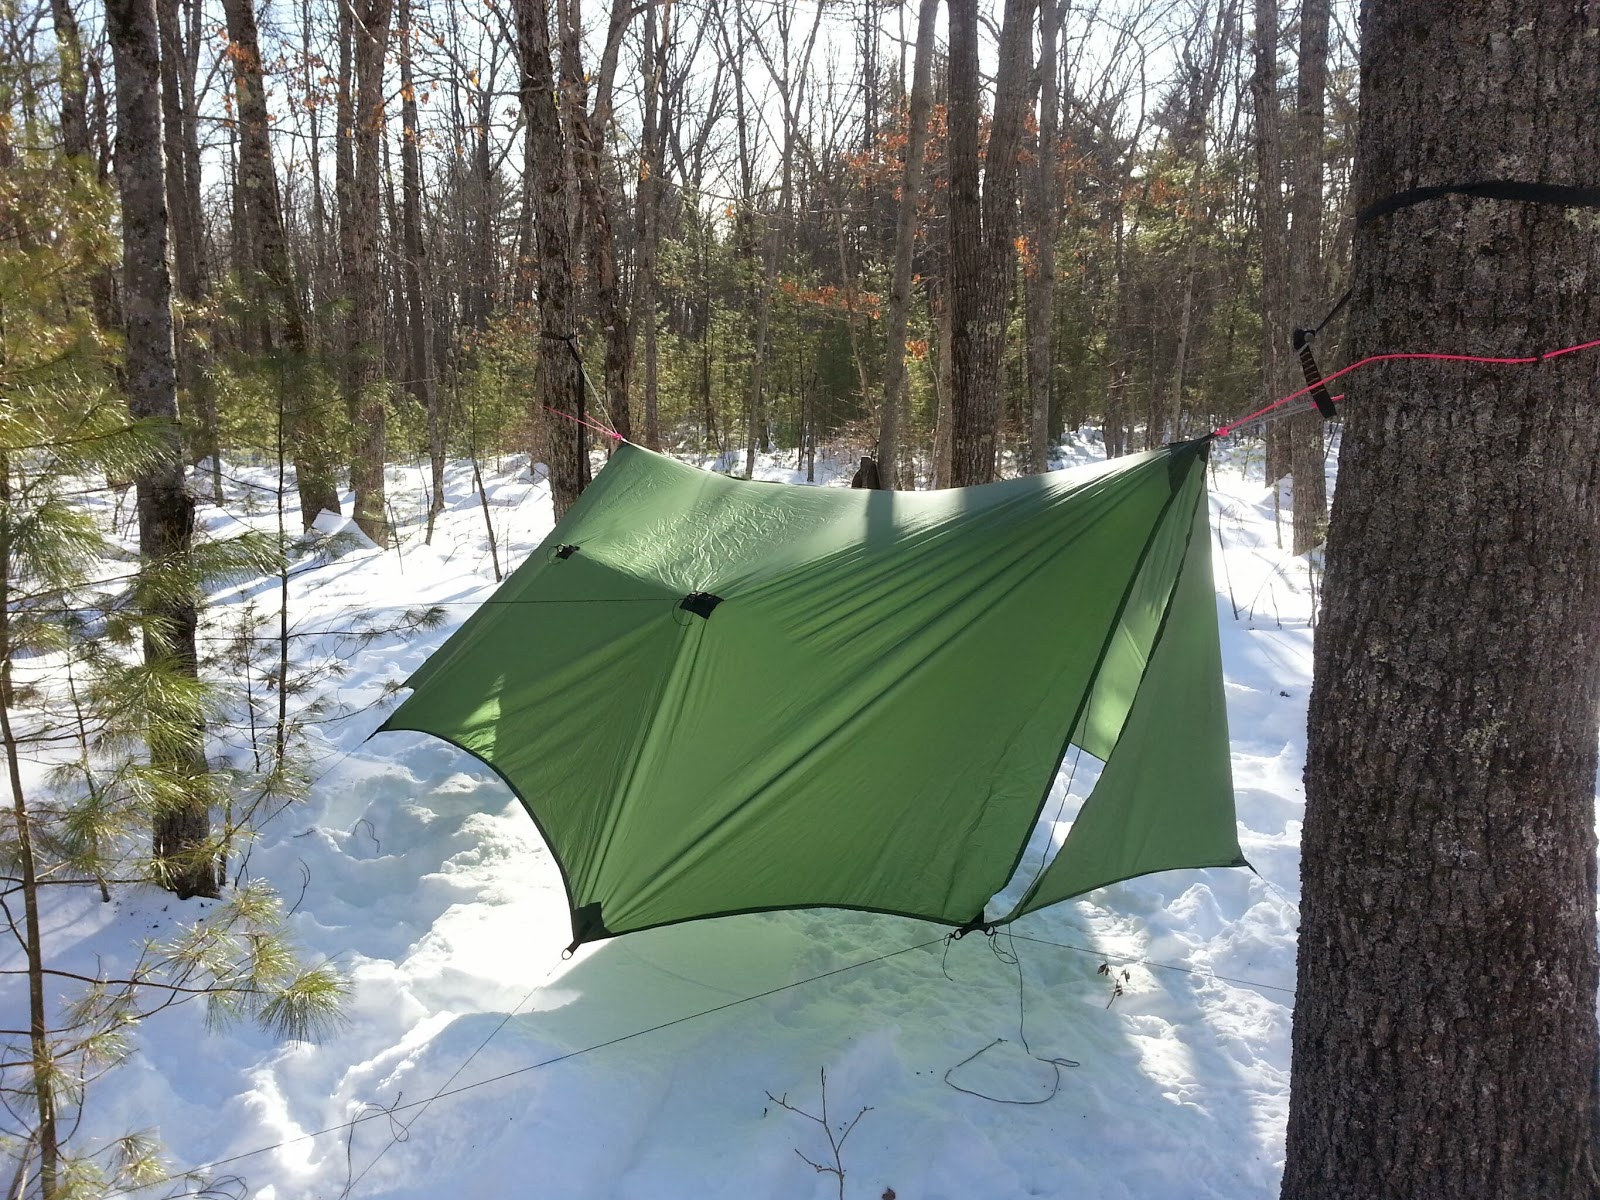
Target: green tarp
(717, 696)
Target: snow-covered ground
(476, 1062)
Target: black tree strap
(1561, 194)
(1308, 367)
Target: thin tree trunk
(1305, 265)
(310, 432)
(587, 160)
(1166, 419)
(560, 378)
(943, 380)
(178, 65)
(424, 384)
(981, 229)
(1444, 1037)
(74, 89)
(905, 238)
(647, 222)
(44, 1095)
(1045, 205)
(1272, 230)
(182, 831)
(368, 391)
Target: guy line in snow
(446, 1092)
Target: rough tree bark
(1044, 205)
(367, 391)
(981, 229)
(182, 831)
(559, 374)
(419, 315)
(1270, 223)
(1306, 452)
(587, 158)
(74, 88)
(179, 65)
(905, 239)
(1445, 1040)
(647, 220)
(309, 433)
(1192, 144)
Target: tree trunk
(981, 230)
(905, 238)
(74, 88)
(1445, 1039)
(943, 380)
(178, 67)
(560, 378)
(587, 132)
(1305, 266)
(1044, 203)
(1270, 224)
(310, 432)
(44, 1090)
(424, 384)
(182, 831)
(1166, 419)
(368, 391)
(647, 223)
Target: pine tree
(86, 721)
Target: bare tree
(905, 238)
(982, 253)
(588, 161)
(1044, 204)
(423, 383)
(659, 98)
(560, 372)
(1305, 263)
(1270, 224)
(268, 247)
(368, 391)
(74, 88)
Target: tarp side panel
(1165, 797)
(1128, 651)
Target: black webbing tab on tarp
(1560, 194)
(1308, 366)
(976, 925)
(700, 604)
(587, 926)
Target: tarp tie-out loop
(976, 925)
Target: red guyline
(1225, 430)
(605, 429)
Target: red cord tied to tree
(598, 428)
(1485, 360)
